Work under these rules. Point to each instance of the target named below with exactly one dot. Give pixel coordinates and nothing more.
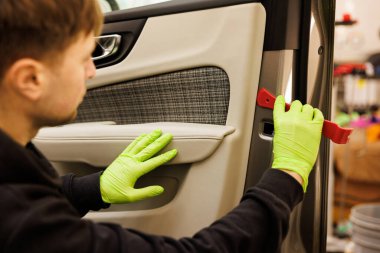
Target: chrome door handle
(108, 44)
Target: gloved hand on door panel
(118, 180)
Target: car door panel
(177, 57)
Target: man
(45, 49)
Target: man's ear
(25, 77)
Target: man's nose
(91, 70)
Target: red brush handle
(330, 129)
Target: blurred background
(355, 183)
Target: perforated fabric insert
(198, 95)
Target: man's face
(65, 83)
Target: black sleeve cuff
(84, 192)
(282, 185)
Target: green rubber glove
(297, 135)
(118, 180)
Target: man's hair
(41, 29)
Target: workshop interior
(355, 177)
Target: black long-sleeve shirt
(40, 212)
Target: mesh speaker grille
(198, 95)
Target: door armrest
(98, 144)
